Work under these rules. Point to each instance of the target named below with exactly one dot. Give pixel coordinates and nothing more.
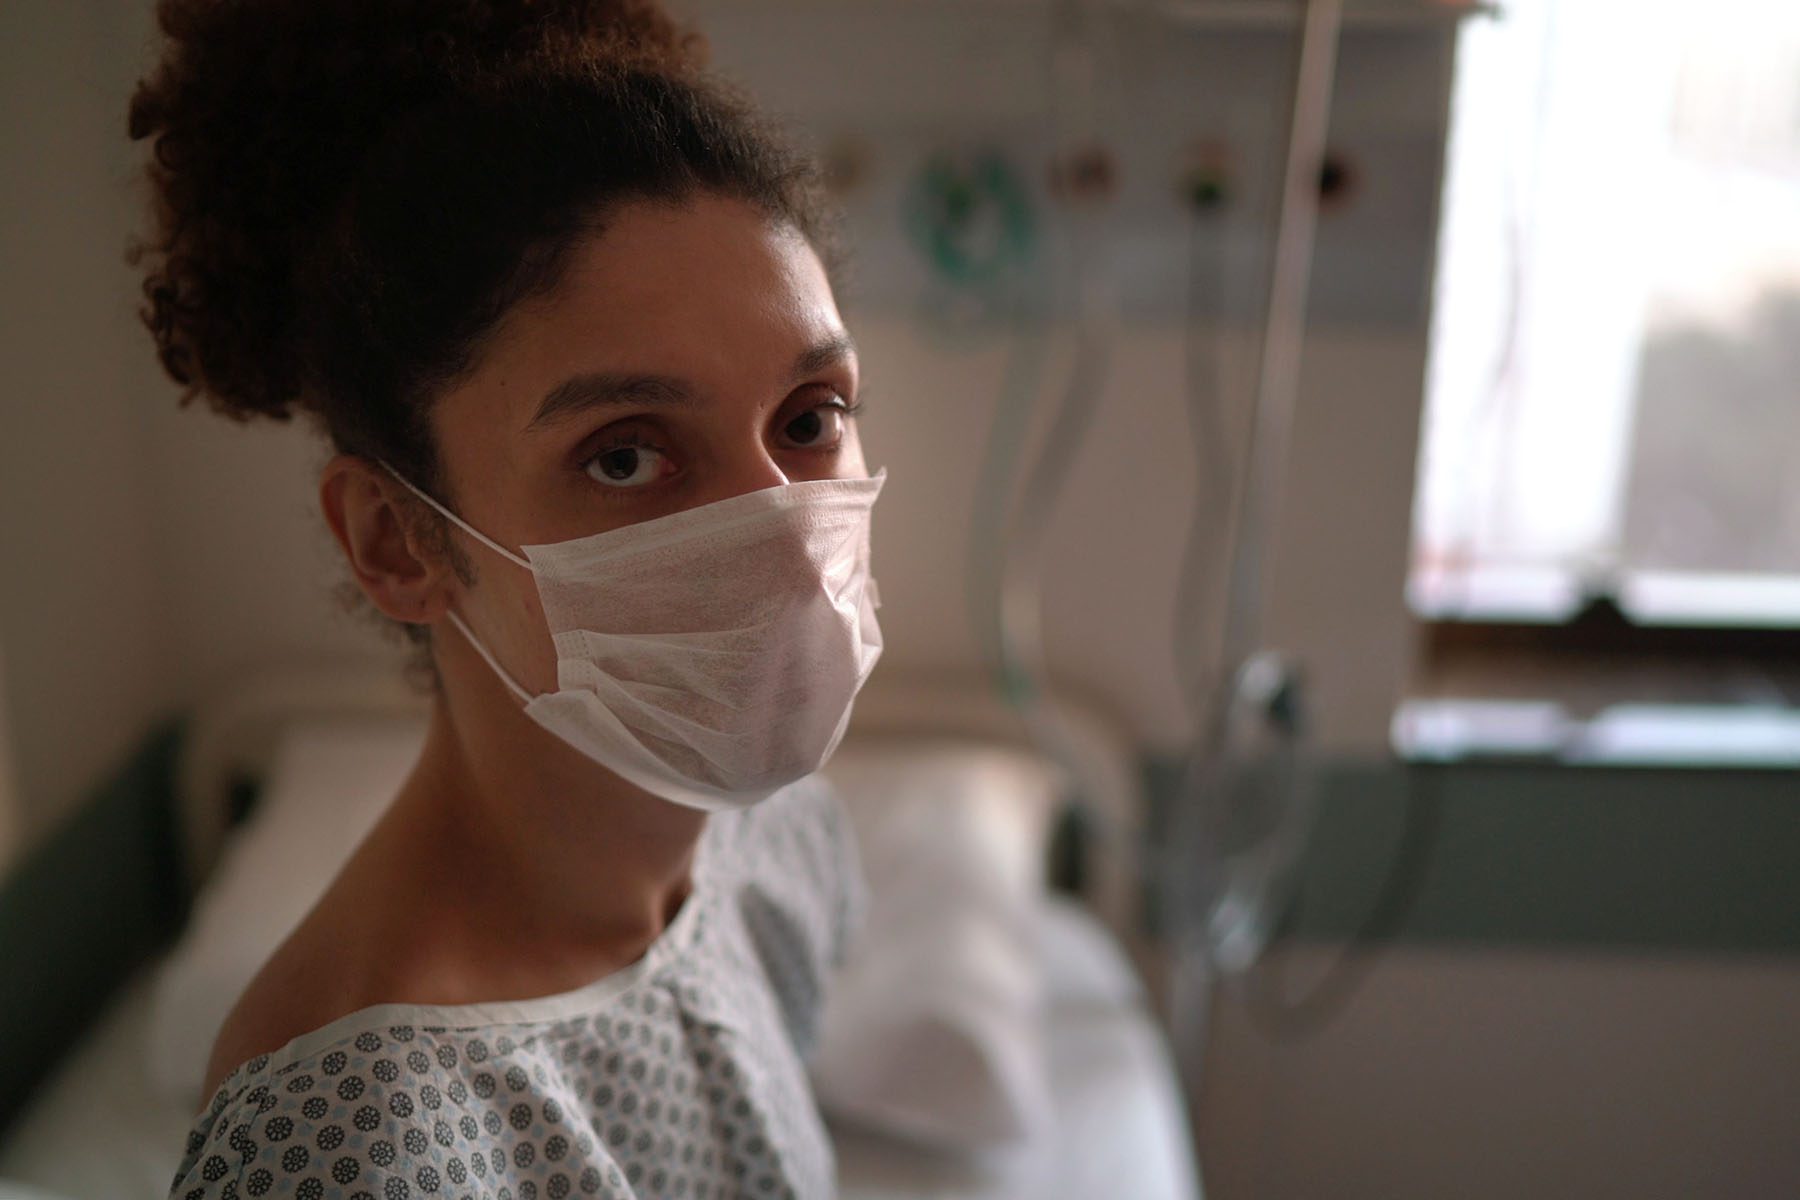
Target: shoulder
(345, 1115)
(291, 995)
(347, 954)
(238, 1044)
(260, 1023)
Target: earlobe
(368, 515)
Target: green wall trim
(85, 907)
(1542, 855)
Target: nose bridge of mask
(461, 524)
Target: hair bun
(260, 115)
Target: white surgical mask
(710, 656)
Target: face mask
(710, 656)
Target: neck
(525, 855)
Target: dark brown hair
(350, 193)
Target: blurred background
(1528, 550)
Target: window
(1613, 405)
(1606, 533)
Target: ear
(368, 510)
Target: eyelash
(844, 408)
(637, 441)
(623, 441)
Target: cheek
(510, 612)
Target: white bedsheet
(96, 1130)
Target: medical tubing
(1021, 632)
(1284, 1016)
(996, 292)
(1006, 443)
(1021, 665)
(933, 230)
(1209, 396)
(1019, 635)
(1210, 782)
(1020, 644)
(1278, 356)
(1287, 1018)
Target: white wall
(10, 817)
(80, 598)
(148, 554)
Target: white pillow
(934, 1026)
(328, 783)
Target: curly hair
(350, 194)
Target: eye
(819, 427)
(628, 466)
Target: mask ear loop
(462, 627)
(524, 696)
(461, 524)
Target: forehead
(711, 290)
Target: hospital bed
(108, 1122)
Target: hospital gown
(681, 1075)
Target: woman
(561, 306)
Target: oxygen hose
(1083, 184)
(1246, 797)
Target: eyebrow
(611, 389)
